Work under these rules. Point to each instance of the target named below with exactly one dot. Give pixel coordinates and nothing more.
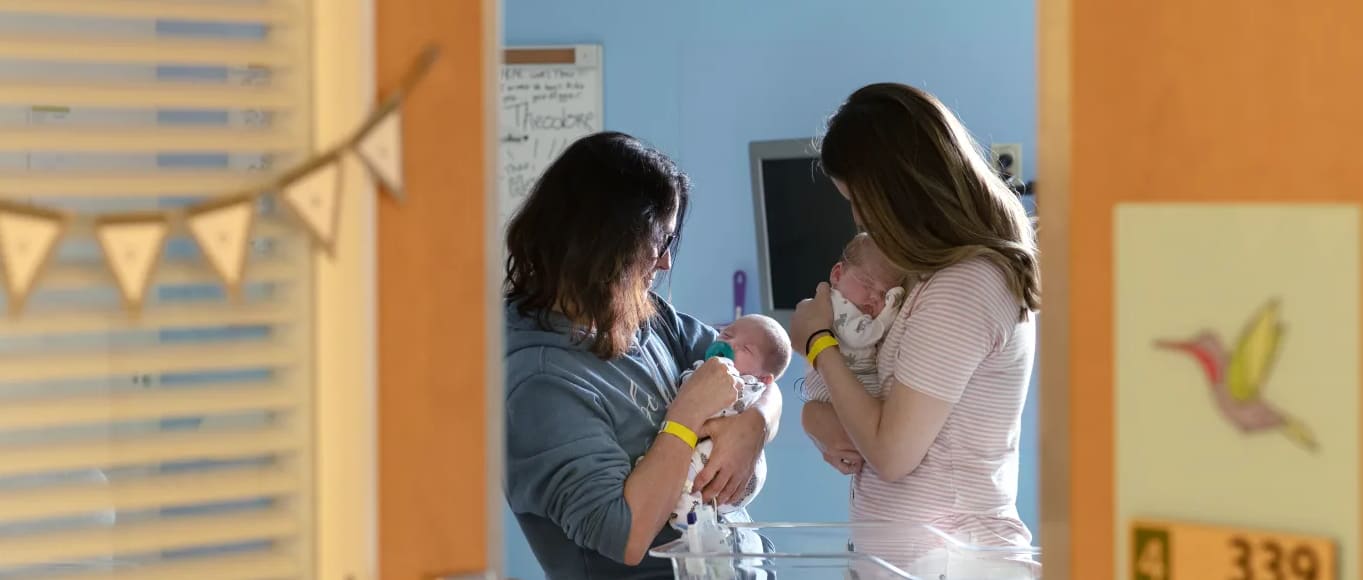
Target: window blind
(176, 444)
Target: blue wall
(700, 79)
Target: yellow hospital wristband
(820, 344)
(681, 431)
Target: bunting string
(132, 242)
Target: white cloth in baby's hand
(691, 498)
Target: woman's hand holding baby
(821, 423)
(714, 386)
(737, 442)
(847, 462)
(811, 315)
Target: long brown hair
(922, 189)
(586, 241)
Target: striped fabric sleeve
(955, 323)
(815, 389)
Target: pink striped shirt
(958, 338)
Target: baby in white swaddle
(868, 290)
(760, 353)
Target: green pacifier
(720, 349)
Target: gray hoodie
(575, 426)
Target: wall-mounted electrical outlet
(1007, 159)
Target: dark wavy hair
(587, 240)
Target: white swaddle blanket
(691, 499)
(859, 334)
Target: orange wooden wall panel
(433, 491)
(1187, 101)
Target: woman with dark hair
(599, 436)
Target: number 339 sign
(1175, 551)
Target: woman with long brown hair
(940, 444)
(599, 436)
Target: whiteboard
(550, 96)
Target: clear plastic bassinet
(861, 551)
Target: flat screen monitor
(802, 223)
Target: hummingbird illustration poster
(1236, 376)
(1236, 348)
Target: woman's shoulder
(541, 350)
(542, 368)
(972, 276)
(973, 284)
(527, 334)
(976, 271)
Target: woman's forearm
(858, 412)
(769, 405)
(651, 491)
(892, 435)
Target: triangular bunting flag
(316, 199)
(223, 230)
(132, 245)
(381, 151)
(27, 238)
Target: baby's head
(761, 347)
(865, 274)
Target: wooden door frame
(439, 308)
(1053, 141)
(344, 376)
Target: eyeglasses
(666, 246)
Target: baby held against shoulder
(868, 290)
(758, 350)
